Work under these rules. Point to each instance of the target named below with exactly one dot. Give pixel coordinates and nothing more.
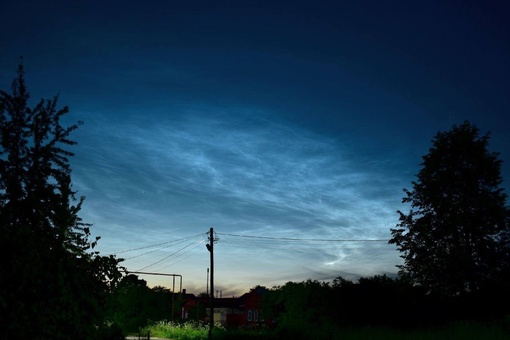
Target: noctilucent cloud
(289, 127)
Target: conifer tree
(53, 285)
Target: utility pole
(211, 251)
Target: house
(244, 311)
(250, 304)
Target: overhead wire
(303, 239)
(268, 248)
(166, 257)
(155, 245)
(165, 247)
(242, 243)
(190, 253)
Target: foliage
(455, 238)
(128, 306)
(132, 305)
(52, 284)
(378, 307)
(377, 301)
(467, 331)
(181, 331)
(463, 330)
(299, 303)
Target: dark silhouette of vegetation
(320, 310)
(455, 238)
(53, 286)
(133, 304)
(371, 301)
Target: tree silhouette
(454, 239)
(53, 285)
(130, 304)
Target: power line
(159, 249)
(167, 257)
(251, 240)
(155, 245)
(304, 239)
(175, 260)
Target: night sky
(279, 120)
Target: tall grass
(199, 331)
(180, 331)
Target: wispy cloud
(147, 179)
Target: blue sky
(281, 120)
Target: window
(255, 315)
(250, 315)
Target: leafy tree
(454, 239)
(129, 305)
(133, 305)
(53, 285)
(162, 300)
(298, 303)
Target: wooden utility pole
(211, 251)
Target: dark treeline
(320, 310)
(379, 301)
(133, 304)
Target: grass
(199, 331)
(179, 331)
